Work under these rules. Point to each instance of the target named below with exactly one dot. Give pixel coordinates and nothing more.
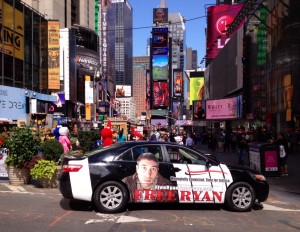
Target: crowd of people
(221, 141)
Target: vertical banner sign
(11, 31)
(88, 98)
(196, 86)
(177, 83)
(53, 55)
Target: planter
(46, 183)
(18, 176)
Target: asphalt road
(33, 209)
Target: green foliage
(23, 143)
(87, 139)
(44, 169)
(52, 149)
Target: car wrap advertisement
(190, 183)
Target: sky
(194, 11)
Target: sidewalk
(289, 183)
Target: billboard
(12, 30)
(123, 91)
(199, 110)
(196, 86)
(160, 67)
(218, 20)
(160, 15)
(178, 83)
(160, 95)
(227, 108)
(160, 37)
(53, 55)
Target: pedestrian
(283, 156)
(293, 141)
(221, 138)
(242, 149)
(189, 142)
(121, 137)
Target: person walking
(189, 142)
(283, 156)
(242, 149)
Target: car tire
(240, 197)
(111, 197)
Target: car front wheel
(240, 197)
(111, 197)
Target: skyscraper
(123, 42)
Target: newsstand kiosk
(264, 158)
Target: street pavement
(289, 184)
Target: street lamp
(96, 79)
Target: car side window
(127, 156)
(182, 155)
(155, 150)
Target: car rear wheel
(111, 197)
(240, 197)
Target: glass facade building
(23, 53)
(123, 43)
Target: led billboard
(218, 20)
(160, 95)
(123, 91)
(160, 15)
(196, 86)
(160, 37)
(177, 83)
(199, 110)
(160, 67)
(227, 108)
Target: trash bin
(264, 157)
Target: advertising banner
(160, 15)
(160, 64)
(228, 108)
(160, 94)
(89, 96)
(218, 20)
(12, 31)
(160, 37)
(123, 91)
(177, 83)
(199, 110)
(12, 103)
(196, 89)
(53, 55)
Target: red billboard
(160, 94)
(219, 19)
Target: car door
(150, 179)
(197, 182)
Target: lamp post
(96, 79)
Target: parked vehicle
(141, 171)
